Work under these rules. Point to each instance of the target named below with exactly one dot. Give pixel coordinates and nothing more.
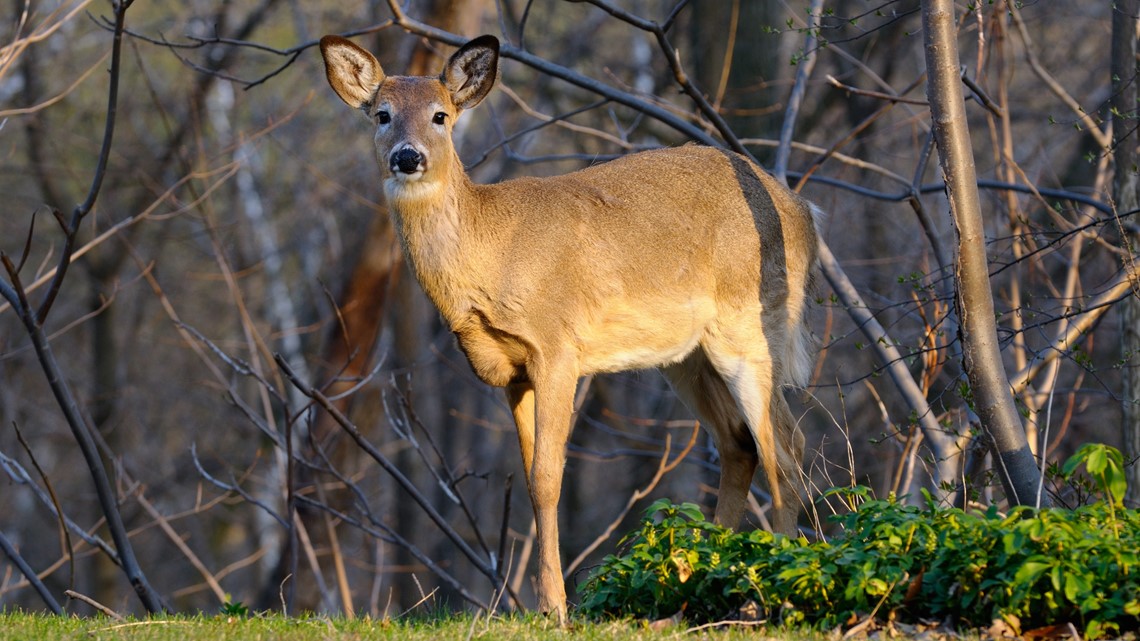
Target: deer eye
(439, 118)
(383, 117)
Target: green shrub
(1034, 567)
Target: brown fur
(691, 259)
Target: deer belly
(624, 337)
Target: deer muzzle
(406, 160)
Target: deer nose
(406, 160)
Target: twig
(441, 470)
(95, 604)
(504, 528)
(22, 111)
(306, 544)
(983, 98)
(338, 560)
(54, 501)
(664, 467)
(803, 72)
(391, 469)
(81, 210)
(561, 120)
(557, 71)
(524, 557)
(423, 598)
(936, 437)
(226, 170)
(880, 95)
(30, 574)
(1120, 288)
(80, 431)
(850, 135)
(381, 531)
(164, 524)
(19, 475)
(720, 624)
(1102, 138)
(235, 488)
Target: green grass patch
(35, 627)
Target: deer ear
(353, 72)
(471, 71)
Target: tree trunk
(981, 354)
(1124, 193)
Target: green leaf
(1076, 584)
(1074, 461)
(1117, 484)
(1096, 461)
(692, 511)
(660, 505)
(877, 587)
(1030, 571)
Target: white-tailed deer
(689, 259)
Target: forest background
(234, 268)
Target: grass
(17, 626)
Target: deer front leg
(553, 400)
(520, 396)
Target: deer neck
(436, 222)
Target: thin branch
(557, 71)
(878, 95)
(23, 111)
(80, 431)
(1075, 331)
(795, 99)
(224, 173)
(663, 467)
(30, 574)
(382, 532)
(443, 473)
(940, 443)
(480, 563)
(174, 538)
(81, 210)
(1102, 138)
(234, 487)
(20, 476)
(95, 604)
(54, 501)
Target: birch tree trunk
(1124, 188)
(981, 355)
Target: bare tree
(982, 359)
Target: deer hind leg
(789, 457)
(740, 354)
(699, 385)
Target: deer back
(623, 263)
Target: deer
(689, 259)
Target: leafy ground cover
(1029, 569)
